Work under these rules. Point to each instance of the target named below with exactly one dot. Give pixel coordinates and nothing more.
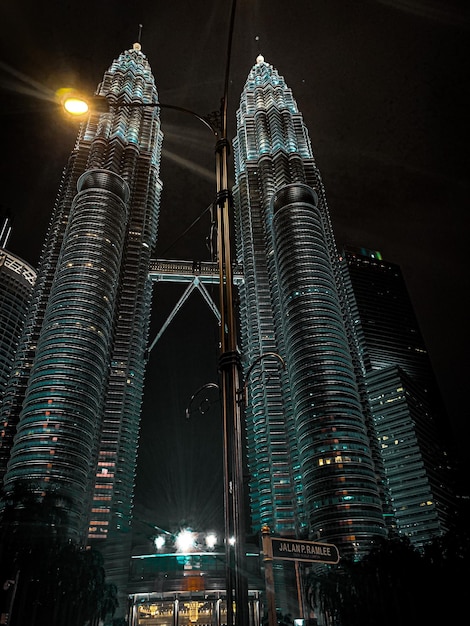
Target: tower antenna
(140, 34)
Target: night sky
(383, 88)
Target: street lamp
(229, 358)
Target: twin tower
(71, 411)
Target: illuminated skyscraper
(408, 414)
(16, 283)
(76, 390)
(309, 457)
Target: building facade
(311, 471)
(409, 418)
(74, 398)
(17, 279)
(16, 283)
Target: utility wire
(186, 230)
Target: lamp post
(229, 358)
(230, 369)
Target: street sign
(312, 551)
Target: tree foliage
(395, 585)
(59, 584)
(53, 581)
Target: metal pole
(217, 604)
(227, 418)
(176, 611)
(230, 368)
(268, 575)
(298, 581)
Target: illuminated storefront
(182, 589)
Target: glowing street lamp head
(76, 106)
(72, 101)
(79, 105)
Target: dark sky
(383, 87)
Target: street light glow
(76, 106)
(185, 541)
(159, 542)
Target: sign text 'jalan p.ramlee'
(304, 550)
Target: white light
(211, 540)
(159, 542)
(184, 541)
(232, 541)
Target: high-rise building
(16, 283)
(311, 472)
(407, 411)
(75, 395)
